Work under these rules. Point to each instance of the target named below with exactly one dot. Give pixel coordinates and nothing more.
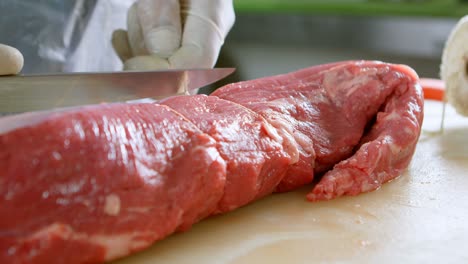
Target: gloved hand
(165, 34)
(11, 60)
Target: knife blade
(24, 93)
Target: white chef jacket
(63, 36)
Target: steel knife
(25, 93)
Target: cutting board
(421, 217)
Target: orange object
(434, 89)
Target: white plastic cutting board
(421, 217)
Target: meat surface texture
(256, 162)
(98, 183)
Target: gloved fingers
(135, 33)
(154, 28)
(193, 56)
(160, 21)
(11, 60)
(145, 63)
(207, 23)
(220, 13)
(121, 44)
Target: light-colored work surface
(418, 218)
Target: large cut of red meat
(97, 183)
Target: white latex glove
(166, 34)
(11, 60)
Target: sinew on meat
(98, 183)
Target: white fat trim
(112, 205)
(116, 245)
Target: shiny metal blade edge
(41, 92)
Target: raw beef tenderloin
(97, 183)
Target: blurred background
(277, 36)
(269, 36)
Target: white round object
(11, 60)
(454, 68)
